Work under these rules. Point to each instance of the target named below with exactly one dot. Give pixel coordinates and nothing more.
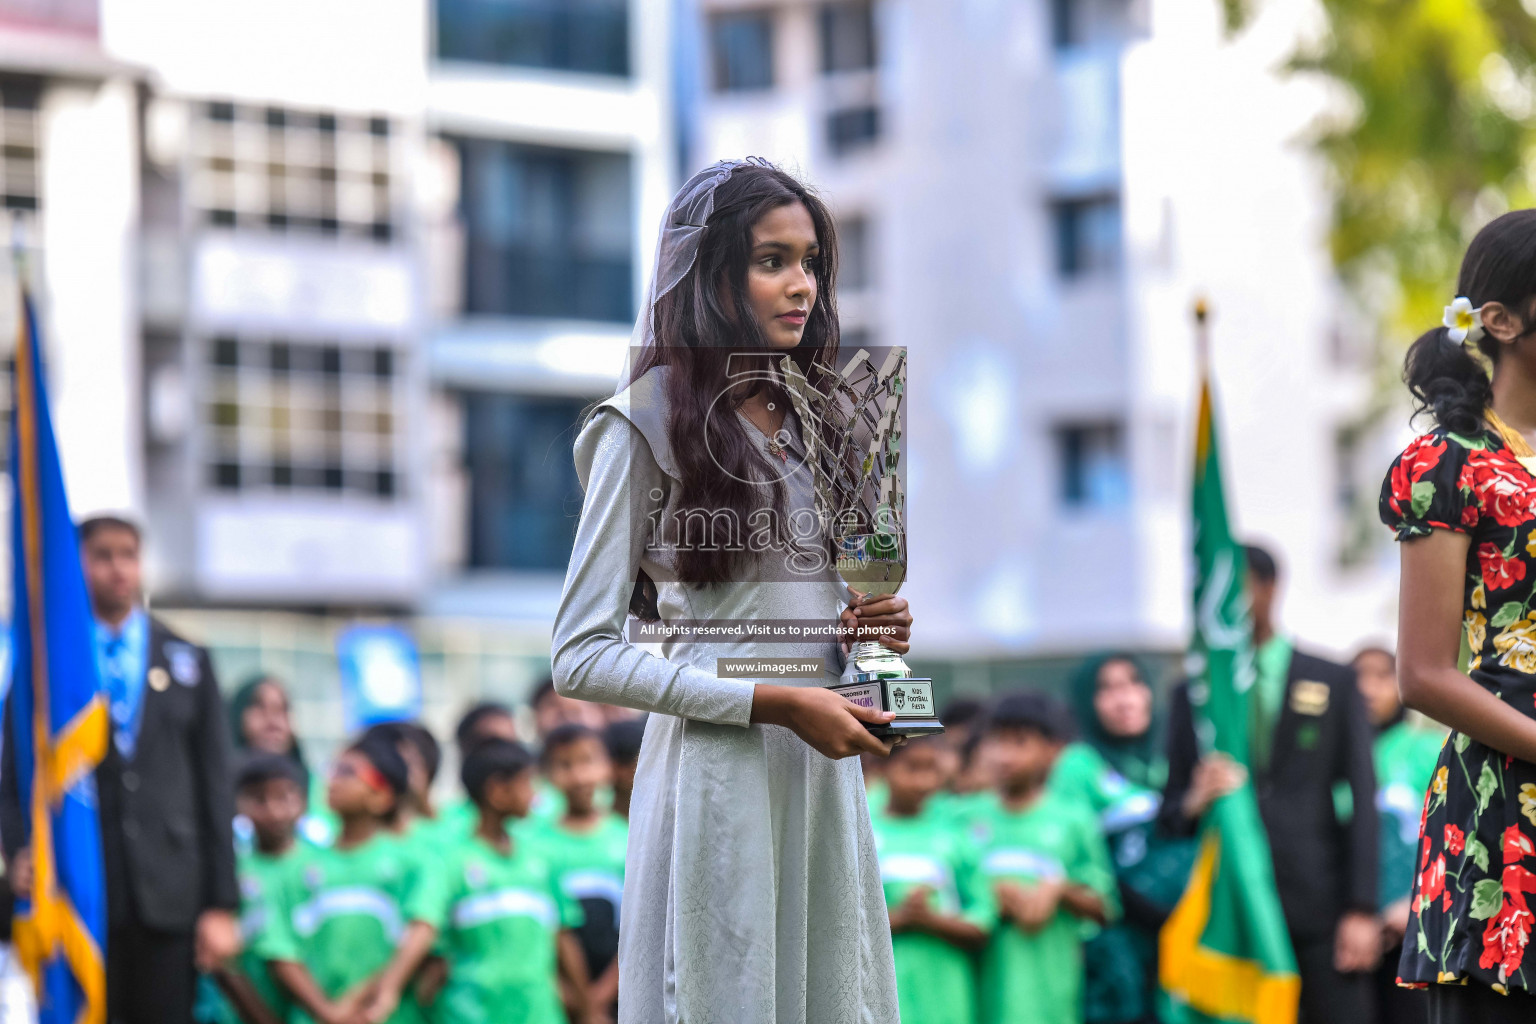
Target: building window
(549, 232)
(853, 128)
(587, 35)
(1087, 235)
(18, 143)
(1065, 16)
(743, 51)
(848, 37)
(302, 416)
(1076, 23)
(524, 495)
(284, 170)
(854, 272)
(1094, 472)
(7, 393)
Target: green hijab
(1140, 759)
(243, 698)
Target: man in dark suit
(1310, 738)
(164, 795)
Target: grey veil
(677, 246)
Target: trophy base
(911, 699)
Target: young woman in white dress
(752, 893)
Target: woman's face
(1377, 675)
(781, 276)
(1122, 700)
(264, 722)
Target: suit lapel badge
(184, 667)
(1309, 697)
(159, 679)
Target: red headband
(371, 776)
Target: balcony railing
(591, 37)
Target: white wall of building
(346, 54)
(88, 232)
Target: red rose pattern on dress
(1455, 839)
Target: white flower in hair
(1463, 320)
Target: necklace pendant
(776, 450)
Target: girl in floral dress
(1462, 498)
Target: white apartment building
(554, 125)
(373, 260)
(69, 203)
(1031, 195)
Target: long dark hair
(1446, 380)
(698, 327)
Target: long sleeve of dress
(592, 658)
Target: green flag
(1225, 954)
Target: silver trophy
(851, 420)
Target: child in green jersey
(1047, 865)
(586, 844)
(423, 757)
(972, 788)
(415, 825)
(343, 911)
(623, 740)
(492, 906)
(415, 819)
(270, 794)
(1405, 753)
(484, 720)
(941, 910)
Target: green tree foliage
(1437, 136)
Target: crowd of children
(996, 869)
(503, 905)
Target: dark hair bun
(1445, 378)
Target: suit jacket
(167, 814)
(1323, 867)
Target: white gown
(752, 893)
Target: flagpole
(1202, 314)
(1224, 953)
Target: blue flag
(59, 721)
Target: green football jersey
(262, 878)
(457, 815)
(461, 817)
(1405, 757)
(342, 915)
(1081, 776)
(875, 791)
(589, 867)
(935, 980)
(498, 917)
(964, 808)
(1037, 978)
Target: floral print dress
(1477, 841)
